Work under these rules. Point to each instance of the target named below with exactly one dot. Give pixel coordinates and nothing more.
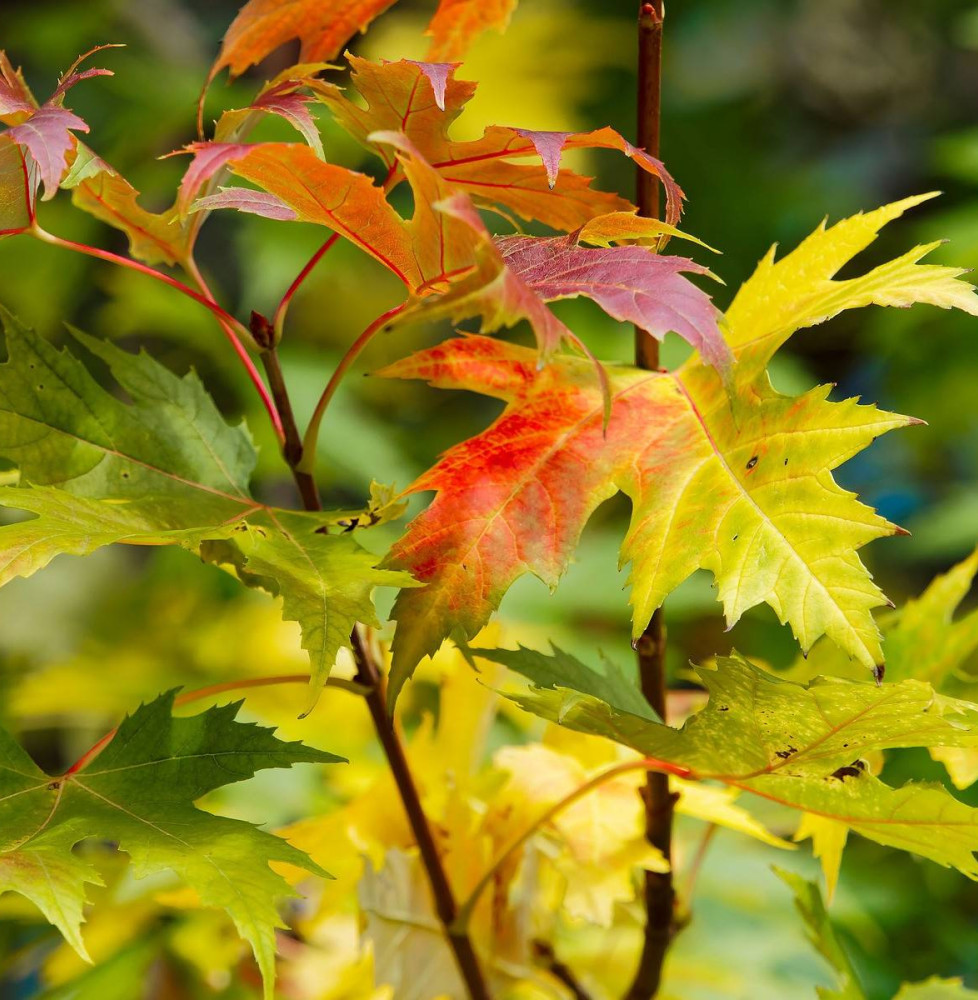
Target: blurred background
(777, 113)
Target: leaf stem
(205, 692)
(650, 764)
(228, 325)
(660, 896)
(236, 333)
(309, 441)
(278, 320)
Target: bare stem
(206, 692)
(650, 764)
(278, 320)
(236, 333)
(659, 894)
(309, 441)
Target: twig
(369, 674)
(311, 438)
(562, 973)
(659, 893)
(650, 764)
(371, 678)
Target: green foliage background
(777, 112)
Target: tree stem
(370, 677)
(651, 647)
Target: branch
(369, 675)
(660, 896)
(544, 953)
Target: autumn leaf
(139, 793)
(734, 482)
(457, 22)
(799, 745)
(285, 96)
(322, 27)
(104, 193)
(493, 170)
(164, 470)
(631, 284)
(672, 447)
(18, 188)
(45, 132)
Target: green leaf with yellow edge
(799, 745)
(164, 469)
(139, 792)
(734, 478)
(821, 934)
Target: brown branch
(545, 955)
(370, 676)
(659, 894)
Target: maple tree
(723, 472)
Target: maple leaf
(323, 27)
(732, 481)
(282, 96)
(18, 188)
(163, 470)
(46, 131)
(139, 793)
(445, 256)
(796, 744)
(99, 190)
(401, 97)
(457, 22)
(631, 284)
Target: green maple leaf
(796, 744)
(139, 792)
(164, 469)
